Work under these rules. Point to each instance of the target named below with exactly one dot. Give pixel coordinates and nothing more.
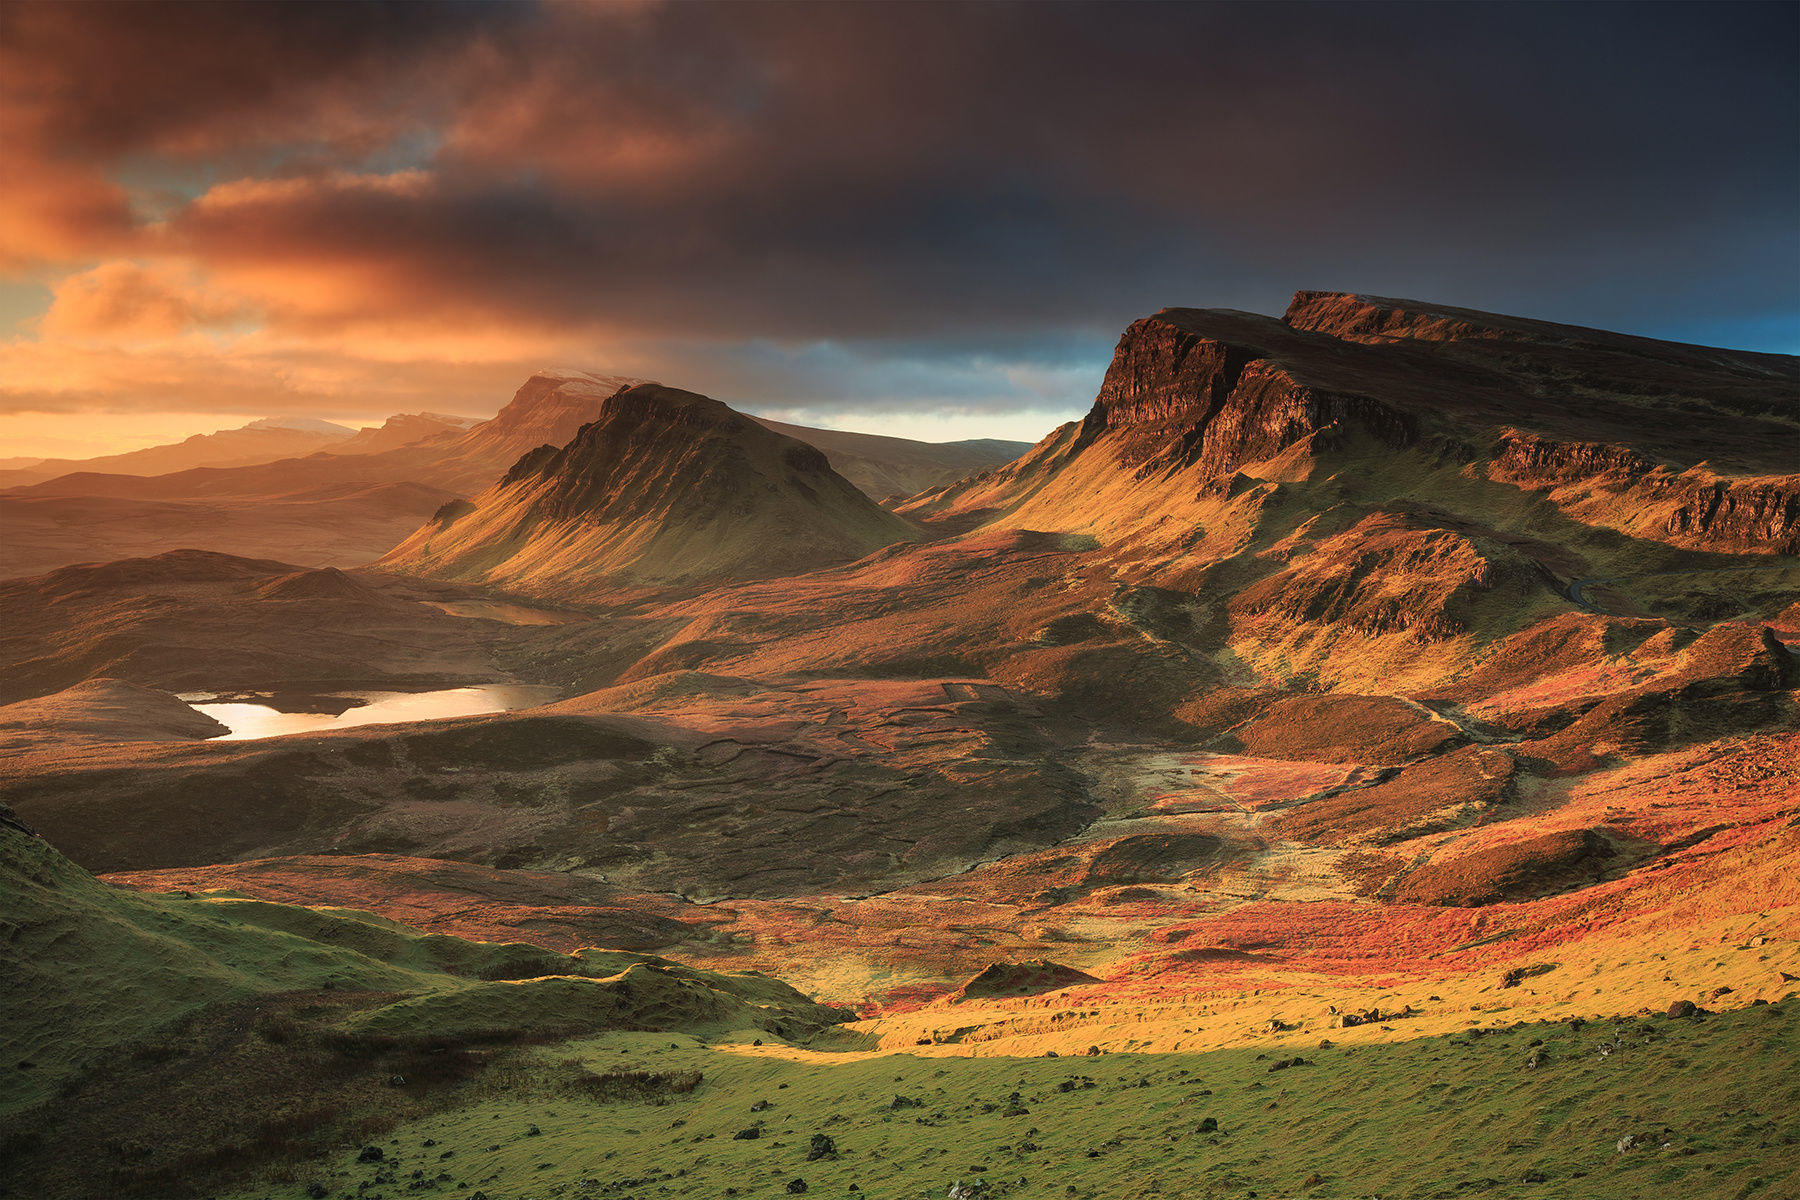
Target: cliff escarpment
(1213, 391)
(1681, 445)
(1615, 486)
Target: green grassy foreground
(1714, 1103)
(163, 1045)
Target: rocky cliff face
(1354, 318)
(1184, 391)
(1692, 508)
(1738, 514)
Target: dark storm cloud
(99, 79)
(937, 177)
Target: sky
(932, 220)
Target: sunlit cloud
(936, 218)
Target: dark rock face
(1706, 513)
(1745, 514)
(1212, 394)
(1524, 457)
(1160, 372)
(450, 511)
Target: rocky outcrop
(404, 429)
(548, 409)
(1356, 318)
(1523, 458)
(1692, 508)
(1391, 574)
(1685, 445)
(1745, 514)
(1183, 391)
(1162, 372)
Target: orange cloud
(132, 301)
(53, 212)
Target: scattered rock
(370, 1154)
(1518, 975)
(796, 1186)
(822, 1147)
(1682, 1008)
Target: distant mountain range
(260, 441)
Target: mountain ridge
(1204, 392)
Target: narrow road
(1578, 590)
